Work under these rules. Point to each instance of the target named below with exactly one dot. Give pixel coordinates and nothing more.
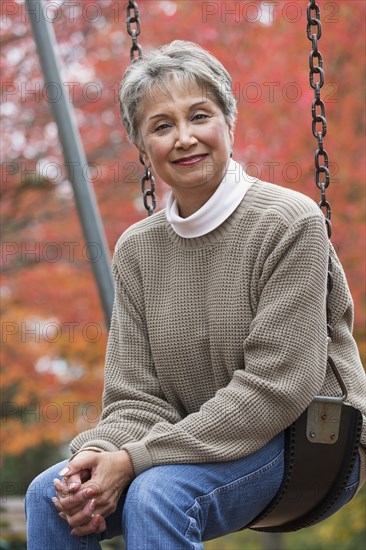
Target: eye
(200, 116)
(161, 127)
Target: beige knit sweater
(219, 342)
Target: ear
(145, 158)
(231, 134)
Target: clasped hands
(91, 486)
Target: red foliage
(53, 327)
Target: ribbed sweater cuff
(97, 444)
(140, 456)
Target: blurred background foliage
(53, 332)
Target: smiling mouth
(188, 161)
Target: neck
(192, 199)
(193, 219)
(188, 204)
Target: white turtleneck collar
(216, 210)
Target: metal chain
(134, 28)
(149, 203)
(316, 79)
(132, 18)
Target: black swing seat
(321, 447)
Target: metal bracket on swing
(323, 420)
(324, 414)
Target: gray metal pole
(74, 155)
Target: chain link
(134, 29)
(149, 193)
(319, 129)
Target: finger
(60, 509)
(68, 485)
(64, 489)
(71, 503)
(104, 508)
(96, 525)
(61, 487)
(83, 516)
(73, 482)
(85, 460)
(57, 504)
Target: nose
(185, 138)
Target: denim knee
(45, 529)
(154, 513)
(41, 489)
(150, 489)
(159, 493)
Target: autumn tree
(53, 332)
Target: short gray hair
(183, 62)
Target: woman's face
(186, 141)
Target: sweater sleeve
(133, 401)
(285, 357)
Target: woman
(218, 339)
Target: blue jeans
(173, 507)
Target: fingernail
(54, 499)
(64, 471)
(73, 485)
(96, 520)
(92, 504)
